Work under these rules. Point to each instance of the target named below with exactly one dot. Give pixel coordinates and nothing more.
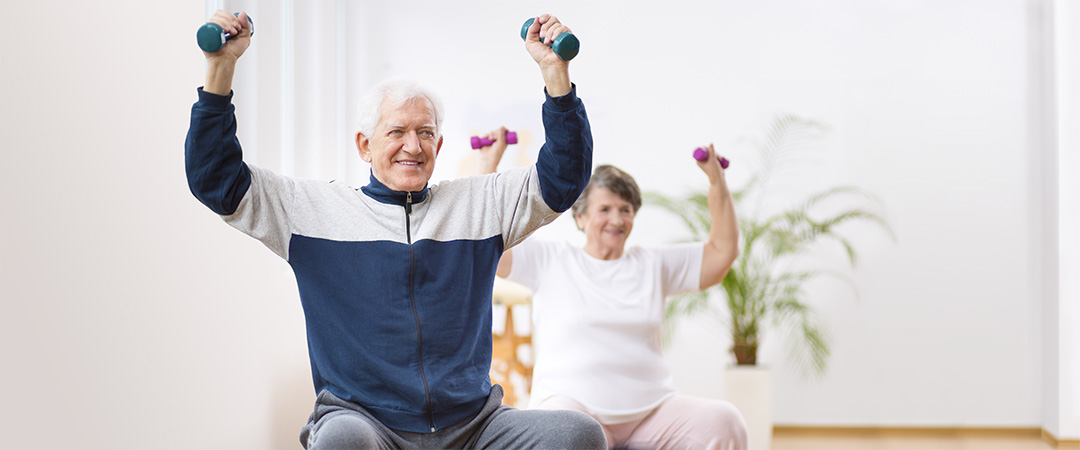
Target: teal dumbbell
(211, 37)
(566, 45)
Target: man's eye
(396, 132)
(427, 133)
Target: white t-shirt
(597, 324)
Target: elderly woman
(598, 312)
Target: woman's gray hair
(615, 180)
(397, 91)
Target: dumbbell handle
(701, 154)
(566, 45)
(212, 37)
(477, 141)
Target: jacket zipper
(416, 316)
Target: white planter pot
(749, 388)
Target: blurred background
(132, 317)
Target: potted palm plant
(765, 288)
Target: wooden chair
(506, 347)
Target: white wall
(132, 317)
(1061, 367)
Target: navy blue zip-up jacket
(395, 286)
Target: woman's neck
(603, 253)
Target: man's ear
(363, 146)
(438, 146)
(579, 219)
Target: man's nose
(412, 143)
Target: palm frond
(810, 353)
(810, 350)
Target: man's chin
(412, 187)
(408, 184)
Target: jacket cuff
(209, 100)
(563, 103)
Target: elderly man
(395, 278)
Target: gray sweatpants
(338, 424)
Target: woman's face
(607, 220)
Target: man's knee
(343, 431)
(579, 431)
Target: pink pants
(680, 422)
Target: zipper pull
(408, 203)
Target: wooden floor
(908, 439)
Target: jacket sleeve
(565, 161)
(216, 172)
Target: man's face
(403, 146)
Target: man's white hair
(397, 91)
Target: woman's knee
(730, 423)
(704, 423)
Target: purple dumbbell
(700, 154)
(477, 142)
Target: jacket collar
(383, 194)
